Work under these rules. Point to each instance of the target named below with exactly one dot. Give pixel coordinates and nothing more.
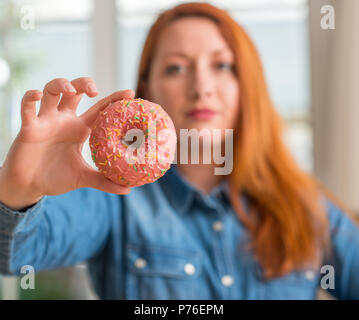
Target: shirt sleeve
(57, 231)
(344, 257)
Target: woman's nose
(199, 93)
(201, 86)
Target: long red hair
(286, 218)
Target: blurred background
(311, 68)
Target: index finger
(82, 85)
(91, 114)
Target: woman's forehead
(192, 34)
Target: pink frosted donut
(133, 142)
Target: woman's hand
(45, 157)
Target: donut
(133, 142)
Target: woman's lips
(202, 114)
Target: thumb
(91, 178)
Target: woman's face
(192, 76)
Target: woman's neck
(200, 176)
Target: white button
(218, 226)
(140, 263)
(309, 274)
(227, 281)
(189, 268)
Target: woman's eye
(173, 69)
(224, 66)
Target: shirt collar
(181, 193)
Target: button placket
(226, 276)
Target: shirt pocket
(156, 272)
(297, 285)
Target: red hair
(286, 218)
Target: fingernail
(69, 88)
(91, 87)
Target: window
(58, 45)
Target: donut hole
(129, 141)
(134, 139)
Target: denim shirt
(164, 240)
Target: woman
(263, 232)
